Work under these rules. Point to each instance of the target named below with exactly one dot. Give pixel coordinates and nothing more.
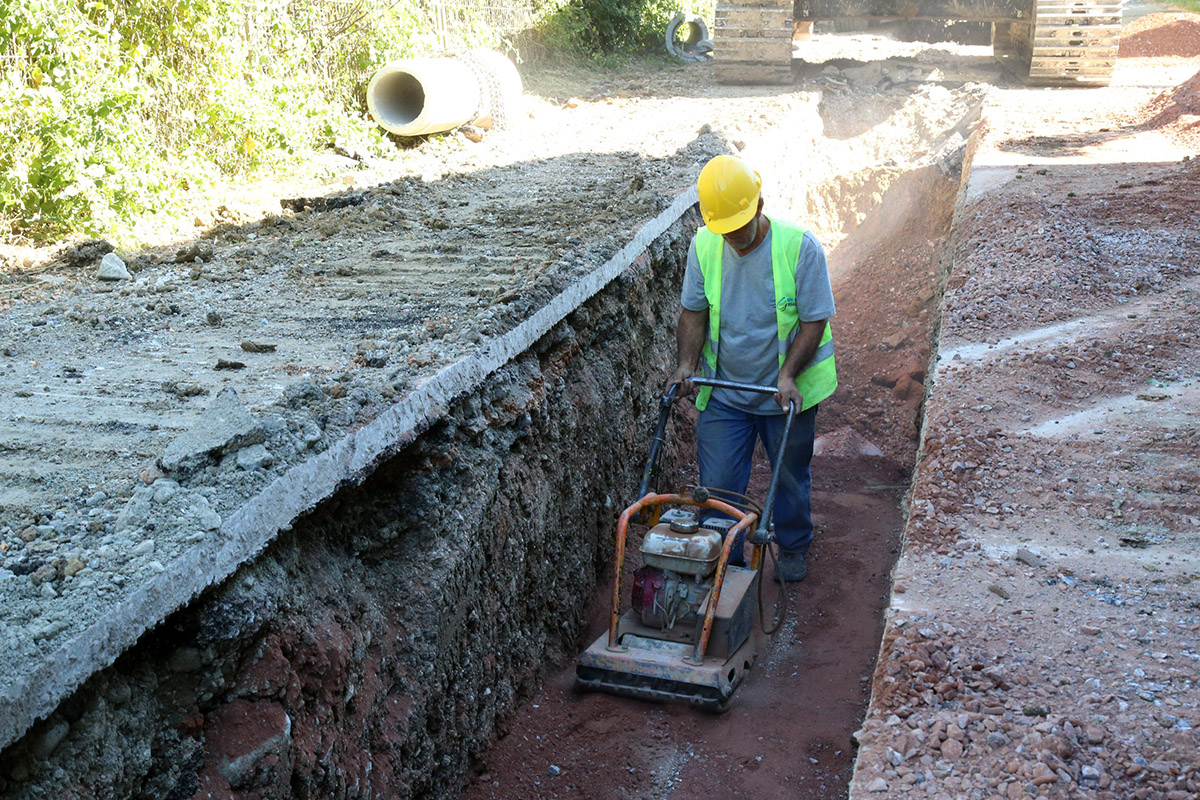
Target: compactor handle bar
(741, 387)
(762, 534)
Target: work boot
(793, 566)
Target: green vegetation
(604, 30)
(111, 109)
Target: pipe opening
(688, 33)
(399, 98)
(687, 37)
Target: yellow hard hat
(729, 192)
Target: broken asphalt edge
(247, 531)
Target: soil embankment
(1042, 632)
(371, 649)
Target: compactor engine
(680, 558)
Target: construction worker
(756, 305)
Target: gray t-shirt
(749, 352)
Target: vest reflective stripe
(818, 379)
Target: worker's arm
(802, 350)
(689, 341)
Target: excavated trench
(789, 733)
(397, 642)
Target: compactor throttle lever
(762, 534)
(660, 436)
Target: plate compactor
(688, 634)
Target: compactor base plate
(654, 669)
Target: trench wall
(374, 649)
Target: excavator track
(1075, 42)
(1069, 43)
(752, 41)
(1054, 42)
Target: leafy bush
(112, 108)
(601, 29)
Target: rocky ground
(143, 412)
(1043, 631)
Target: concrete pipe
(415, 96)
(695, 46)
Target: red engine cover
(646, 583)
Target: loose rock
(112, 268)
(226, 426)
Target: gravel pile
(989, 728)
(1163, 34)
(1044, 636)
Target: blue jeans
(725, 439)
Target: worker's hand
(683, 376)
(788, 393)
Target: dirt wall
(371, 651)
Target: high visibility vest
(818, 379)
